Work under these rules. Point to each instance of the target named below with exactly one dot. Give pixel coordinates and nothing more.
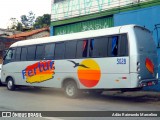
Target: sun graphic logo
(88, 72)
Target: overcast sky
(16, 8)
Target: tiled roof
(28, 33)
(4, 39)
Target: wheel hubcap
(70, 90)
(10, 84)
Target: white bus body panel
(110, 78)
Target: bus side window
(18, 54)
(100, 47)
(24, 54)
(123, 46)
(113, 46)
(118, 46)
(59, 50)
(70, 52)
(91, 46)
(31, 52)
(49, 51)
(39, 52)
(82, 48)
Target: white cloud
(16, 8)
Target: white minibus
(118, 58)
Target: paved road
(47, 99)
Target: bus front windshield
(9, 55)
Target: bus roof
(73, 36)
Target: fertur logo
(39, 72)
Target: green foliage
(19, 27)
(28, 20)
(24, 20)
(42, 21)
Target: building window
(56, 1)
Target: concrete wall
(148, 17)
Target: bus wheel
(10, 84)
(71, 89)
(1, 83)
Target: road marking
(52, 118)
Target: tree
(19, 27)
(42, 21)
(24, 20)
(28, 20)
(12, 24)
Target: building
(5, 44)
(6, 32)
(8, 37)
(38, 33)
(69, 16)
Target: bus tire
(10, 84)
(70, 89)
(1, 83)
